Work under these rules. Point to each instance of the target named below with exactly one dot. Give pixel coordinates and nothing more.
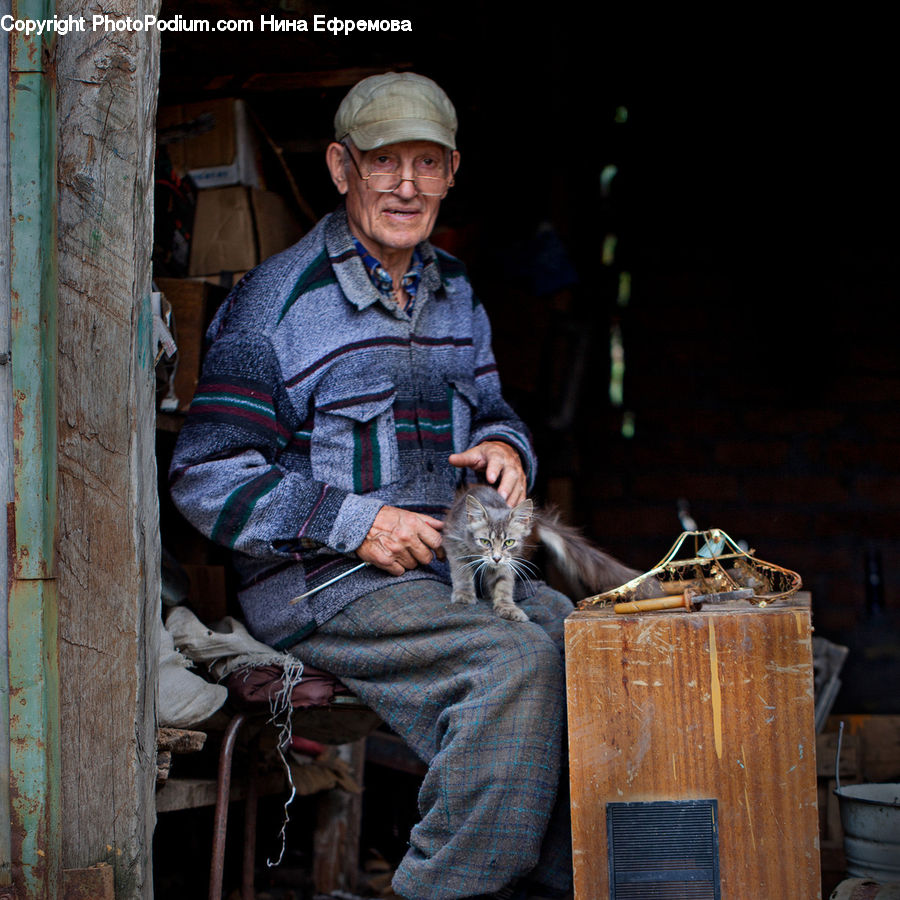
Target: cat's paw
(466, 597)
(513, 613)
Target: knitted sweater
(318, 404)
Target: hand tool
(689, 600)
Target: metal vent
(666, 850)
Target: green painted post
(33, 613)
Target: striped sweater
(318, 404)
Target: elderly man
(348, 387)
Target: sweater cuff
(354, 521)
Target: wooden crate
(717, 705)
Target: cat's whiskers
(523, 565)
(523, 570)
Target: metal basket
(718, 565)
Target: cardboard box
(224, 238)
(235, 228)
(212, 141)
(276, 226)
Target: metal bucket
(870, 817)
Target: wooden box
(714, 705)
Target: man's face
(398, 220)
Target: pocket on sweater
(353, 443)
(463, 405)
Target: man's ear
(335, 158)
(454, 162)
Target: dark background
(755, 213)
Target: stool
(220, 821)
(342, 720)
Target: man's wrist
(353, 522)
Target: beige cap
(398, 106)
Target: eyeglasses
(388, 182)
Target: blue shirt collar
(382, 280)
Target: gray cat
(483, 536)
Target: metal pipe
(223, 795)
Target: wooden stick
(636, 606)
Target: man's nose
(407, 189)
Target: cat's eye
(484, 542)
(508, 542)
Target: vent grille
(666, 850)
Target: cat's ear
(475, 512)
(524, 511)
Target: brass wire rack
(718, 564)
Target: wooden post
(108, 556)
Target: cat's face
(498, 536)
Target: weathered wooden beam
(194, 793)
(108, 548)
(180, 740)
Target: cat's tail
(587, 569)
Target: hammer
(689, 600)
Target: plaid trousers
(482, 701)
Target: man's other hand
(501, 465)
(399, 540)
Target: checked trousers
(481, 700)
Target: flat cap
(397, 106)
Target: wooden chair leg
(223, 792)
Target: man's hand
(501, 465)
(399, 540)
